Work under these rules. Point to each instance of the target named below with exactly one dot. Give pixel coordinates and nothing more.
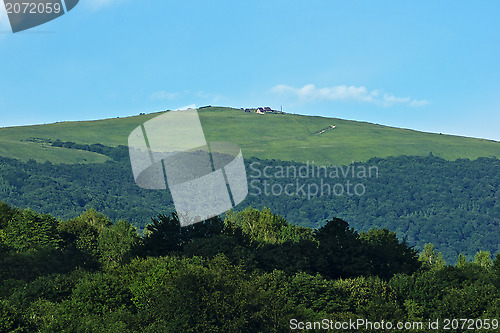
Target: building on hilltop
(264, 110)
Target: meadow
(286, 137)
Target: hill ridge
(287, 137)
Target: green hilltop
(286, 137)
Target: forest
(249, 272)
(425, 199)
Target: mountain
(288, 137)
(448, 195)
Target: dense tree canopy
(451, 204)
(88, 274)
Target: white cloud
(214, 97)
(204, 96)
(345, 93)
(417, 103)
(338, 93)
(187, 107)
(168, 95)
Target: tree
(10, 318)
(462, 261)
(262, 226)
(162, 236)
(41, 290)
(388, 256)
(6, 214)
(483, 259)
(430, 259)
(82, 233)
(28, 230)
(340, 251)
(116, 242)
(496, 271)
(290, 257)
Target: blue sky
(425, 65)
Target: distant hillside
(453, 204)
(273, 136)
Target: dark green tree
(387, 255)
(340, 252)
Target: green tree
(116, 242)
(467, 301)
(387, 255)
(162, 236)
(483, 259)
(82, 233)
(340, 252)
(6, 214)
(195, 295)
(370, 297)
(10, 318)
(262, 226)
(496, 271)
(430, 259)
(462, 261)
(28, 230)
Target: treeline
(251, 272)
(119, 153)
(453, 205)
(66, 191)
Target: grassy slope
(111, 132)
(285, 137)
